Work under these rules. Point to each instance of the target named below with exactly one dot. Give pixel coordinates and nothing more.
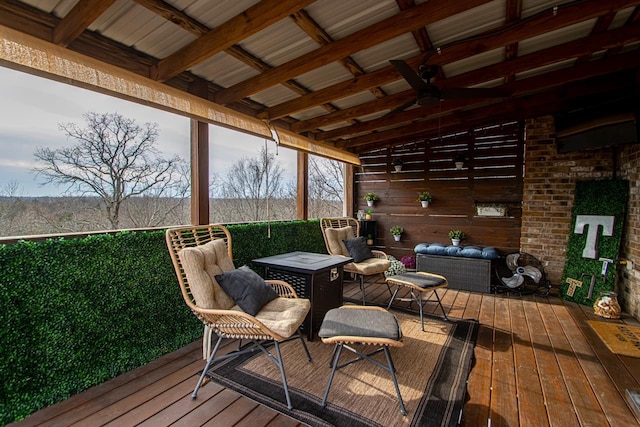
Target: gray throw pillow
(358, 249)
(247, 289)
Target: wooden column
(302, 197)
(199, 172)
(348, 207)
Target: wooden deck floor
(538, 363)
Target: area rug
(432, 370)
(619, 338)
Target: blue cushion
(488, 252)
(471, 252)
(453, 250)
(421, 248)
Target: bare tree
(113, 158)
(251, 189)
(326, 187)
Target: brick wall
(629, 279)
(549, 185)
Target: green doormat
(594, 235)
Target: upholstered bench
(465, 267)
(421, 283)
(369, 325)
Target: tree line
(114, 177)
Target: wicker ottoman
(419, 282)
(368, 325)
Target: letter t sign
(593, 221)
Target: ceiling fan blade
(475, 92)
(409, 75)
(401, 108)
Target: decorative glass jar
(606, 305)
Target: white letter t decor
(593, 221)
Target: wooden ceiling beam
(609, 39)
(175, 15)
(560, 77)
(194, 26)
(78, 19)
(420, 35)
(252, 20)
(513, 13)
(602, 24)
(387, 103)
(429, 12)
(550, 102)
(317, 33)
(542, 24)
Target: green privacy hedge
(77, 312)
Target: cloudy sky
(32, 107)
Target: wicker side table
(419, 283)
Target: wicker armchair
(199, 253)
(334, 231)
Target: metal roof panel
(339, 18)
(324, 76)
(279, 43)
(554, 38)
(224, 70)
(468, 23)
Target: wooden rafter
(317, 33)
(609, 39)
(512, 14)
(552, 79)
(78, 19)
(570, 15)
(192, 25)
(252, 20)
(379, 32)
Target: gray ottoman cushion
(360, 323)
(421, 280)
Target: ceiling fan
(428, 94)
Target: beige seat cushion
(201, 265)
(368, 266)
(335, 237)
(283, 315)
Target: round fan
(521, 271)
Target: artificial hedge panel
(77, 312)
(258, 240)
(606, 198)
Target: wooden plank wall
(492, 173)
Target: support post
(199, 172)
(302, 196)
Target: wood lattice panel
(492, 173)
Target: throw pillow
(358, 249)
(247, 289)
